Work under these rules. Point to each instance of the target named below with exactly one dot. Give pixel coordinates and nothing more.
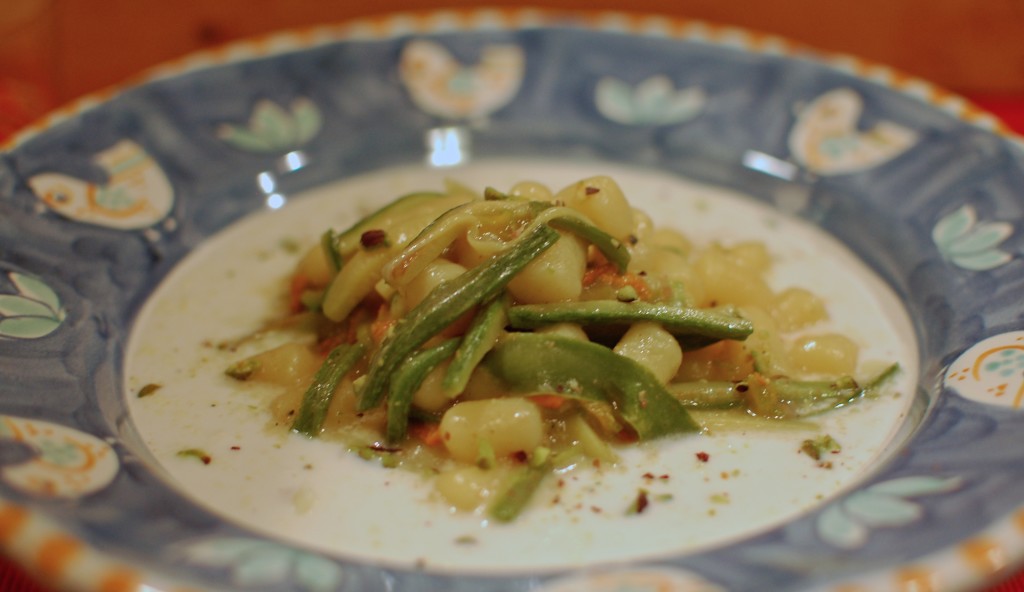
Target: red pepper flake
(703, 456)
(373, 238)
(640, 503)
(520, 456)
(236, 448)
(591, 190)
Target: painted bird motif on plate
(136, 193)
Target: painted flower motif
(272, 129)
(136, 194)
(991, 371)
(970, 244)
(848, 523)
(655, 101)
(262, 563)
(33, 311)
(827, 140)
(442, 86)
(65, 462)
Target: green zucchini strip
(431, 242)
(678, 320)
(329, 244)
(407, 381)
(481, 336)
(445, 304)
(530, 363)
(800, 398)
(517, 495)
(317, 399)
(347, 242)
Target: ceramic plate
(141, 228)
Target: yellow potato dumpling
(798, 308)
(438, 271)
(671, 239)
(601, 200)
(555, 276)
(827, 354)
(507, 425)
(726, 282)
(469, 487)
(532, 190)
(750, 256)
(286, 365)
(653, 347)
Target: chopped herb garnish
(149, 389)
(197, 453)
(819, 447)
(243, 369)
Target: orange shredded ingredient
(428, 433)
(548, 401)
(298, 285)
(605, 272)
(381, 325)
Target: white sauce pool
(318, 494)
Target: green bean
(445, 304)
(529, 363)
(407, 380)
(320, 393)
(697, 326)
(481, 336)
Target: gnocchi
(490, 339)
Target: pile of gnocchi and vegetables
(495, 339)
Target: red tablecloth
(14, 579)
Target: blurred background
(53, 51)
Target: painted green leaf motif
(33, 312)
(272, 128)
(19, 306)
(838, 529)
(970, 244)
(915, 486)
(655, 101)
(27, 327)
(262, 563)
(36, 289)
(847, 524)
(878, 510)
